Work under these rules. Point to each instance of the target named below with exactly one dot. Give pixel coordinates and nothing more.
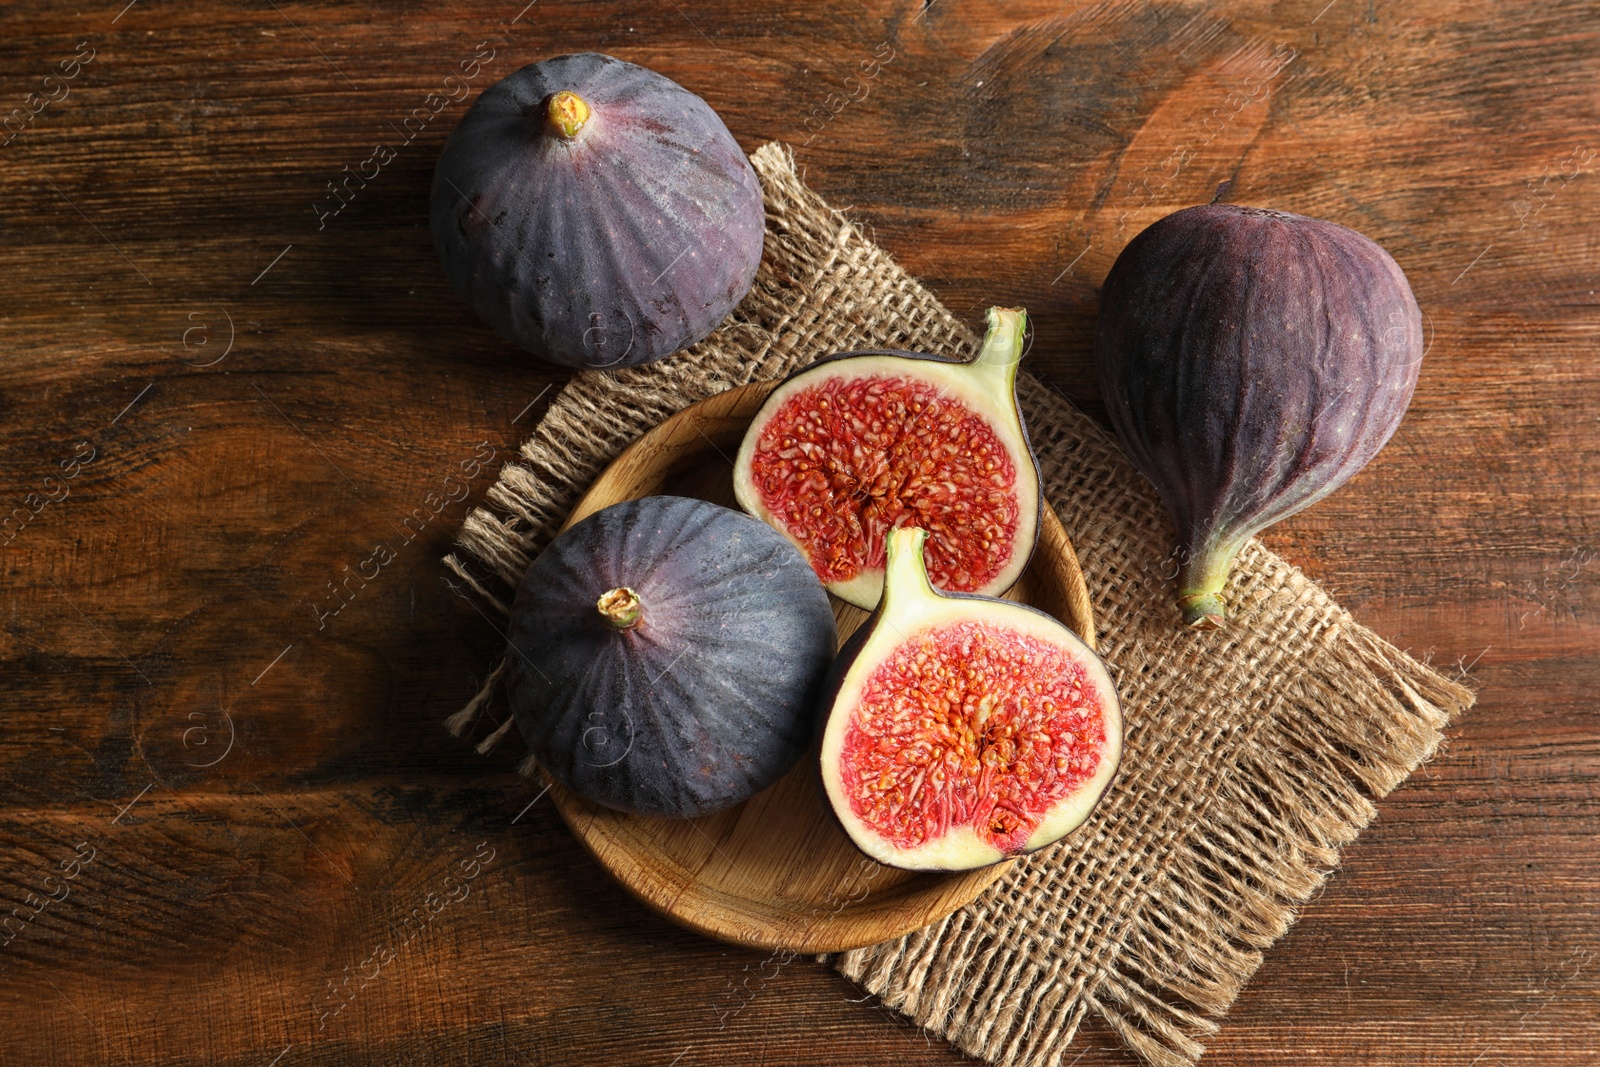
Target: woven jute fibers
(1252, 753)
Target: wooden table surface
(223, 387)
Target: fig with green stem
(1252, 362)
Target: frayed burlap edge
(1252, 754)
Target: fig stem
(1002, 343)
(1200, 585)
(1202, 611)
(568, 113)
(620, 608)
(904, 569)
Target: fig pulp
(854, 446)
(666, 656)
(596, 213)
(1252, 362)
(963, 730)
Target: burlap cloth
(1252, 753)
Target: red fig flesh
(964, 730)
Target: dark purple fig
(963, 730)
(666, 656)
(596, 213)
(1252, 361)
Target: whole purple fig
(596, 213)
(1252, 362)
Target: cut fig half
(963, 730)
(854, 446)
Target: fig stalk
(1200, 583)
(568, 113)
(1002, 351)
(905, 573)
(620, 608)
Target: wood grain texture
(777, 872)
(287, 897)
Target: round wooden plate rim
(619, 843)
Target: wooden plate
(777, 872)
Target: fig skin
(666, 655)
(596, 213)
(1252, 361)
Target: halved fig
(964, 730)
(854, 446)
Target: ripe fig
(596, 213)
(1252, 362)
(856, 445)
(963, 730)
(666, 656)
